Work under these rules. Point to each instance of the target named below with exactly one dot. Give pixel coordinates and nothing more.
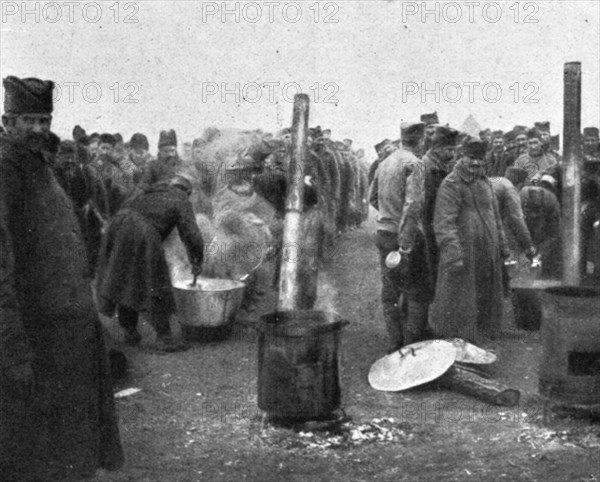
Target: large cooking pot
(298, 364)
(208, 303)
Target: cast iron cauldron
(298, 364)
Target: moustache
(42, 142)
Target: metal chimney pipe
(571, 177)
(289, 286)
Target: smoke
(327, 295)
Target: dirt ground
(196, 416)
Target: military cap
(591, 132)
(27, 96)
(534, 133)
(510, 136)
(474, 148)
(542, 126)
(107, 139)
(118, 137)
(520, 129)
(497, 134)
(412, 130)
(444, 136)
(315, 132)
(379, 147)
(428, 119)
(167, 138)
(79, 135)
(139, 141)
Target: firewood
(464, 381)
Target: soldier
(430, 121)
(397, 193)
(167, 162)
(470, 237)
(545, 136)
(534, 161)
(57, 413)
(495, 159)
(132, 270)
(93, 143)
(591, 143)
(510, 148)
(590, 194)
(383, 149)
(116, 174)
(138, 154)
(438, 164)
(87, 192)
(486, 137)
(520, 140)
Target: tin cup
(392, 260)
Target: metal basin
(209, 303)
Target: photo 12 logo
(93, 92)
(472, 92)
(69, 12)
(471, 12)
(271, 92)
(269, 12)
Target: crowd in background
(459, 211)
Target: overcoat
(468, 226)
(132, 270)
(68, 427)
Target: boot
(415, 328)
(128, 319)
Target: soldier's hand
(21, 378)
(531, 253)
(197, 270)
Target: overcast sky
(152, 65)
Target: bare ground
(196, 418)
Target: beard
(41, 142)
(168, 158)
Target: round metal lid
(412, 365)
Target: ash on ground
(347, 434)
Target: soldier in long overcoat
(437, 164)
(57, 413)
(472, 245)
(132, 271)
(87, 192)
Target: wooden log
(467, 382)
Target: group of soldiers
(100, 171)
(94, 211)
(458, 210)
(452, 207)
